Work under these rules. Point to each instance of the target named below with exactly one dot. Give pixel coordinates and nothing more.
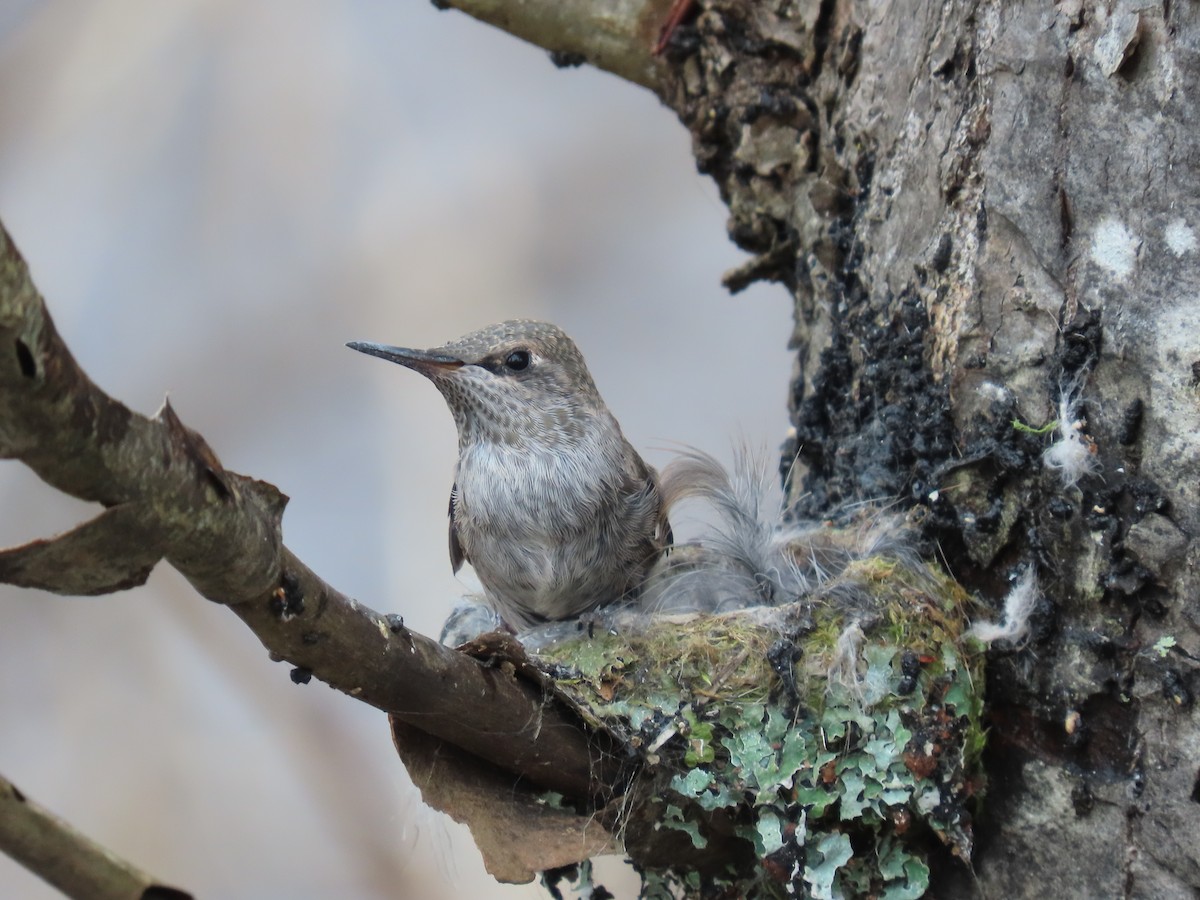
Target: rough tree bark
(985, 211)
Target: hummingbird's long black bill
(406, 356)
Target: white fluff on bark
(1019, 605)
(1073, 453)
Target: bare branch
(618, 36)
(169, 497)
(72, 862)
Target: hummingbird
(551, 505)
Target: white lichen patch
(993, 392)
(1180, 237)
(1115, 247)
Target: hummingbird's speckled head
(519, 382)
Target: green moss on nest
(834, 786)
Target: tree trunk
(986, 213)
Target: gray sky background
(214, 196)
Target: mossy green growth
(834, 735)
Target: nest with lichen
(816, 748)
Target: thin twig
(70, 861)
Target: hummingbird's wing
(457, 556)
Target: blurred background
(214, 196)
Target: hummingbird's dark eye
(517, 360)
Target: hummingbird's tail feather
(748, 538)
(757, 555)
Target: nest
(820, 747)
